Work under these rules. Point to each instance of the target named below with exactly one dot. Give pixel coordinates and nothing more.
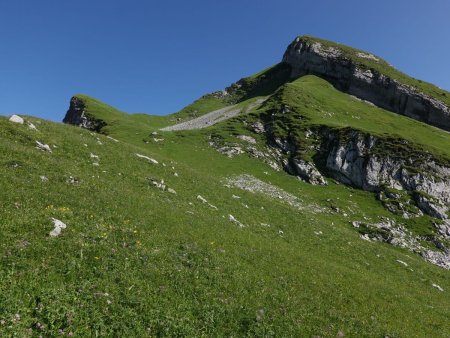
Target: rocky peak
(306, 55)
(78, 115)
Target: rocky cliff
(407, 181)
(364, 161)
(78, 115)
(307, 56)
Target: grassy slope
(315, 102)
(135, 261)
(167, 272)
(269, 80)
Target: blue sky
(157, 56)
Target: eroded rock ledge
(311, 57)
(78, 116)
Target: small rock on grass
(16, 119)
(438, 287)
(58, 227)
(43, 147)
(147, 158)
(31, 126)
(235, 221)
(401, 262)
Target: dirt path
(212, 118)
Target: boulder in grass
(16, 119)
(58, 227)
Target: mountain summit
(369, 78)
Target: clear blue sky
(158, 56)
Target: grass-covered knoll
(138, 261)
(383, 67)
(118, 122)
(315, 102)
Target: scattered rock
(438, 258)
(73, 180)
(365, 237)
(203, 200)
(16, 119)
(230, 151)
(94, 156)
(31, 126)
(200, 198)
(340, 334)
(258, 127)
(401, 262)
(157, 183)
(112, 138)
(254, 185)
(235, 221)
(246, 138)
(438, 287)
(367, 56)
(44, 178)
(147, 158)
(172, 191)
(58, 227)
(43, 147)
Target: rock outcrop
(364, 161)
(306, 171)
(306, 56)
(78, 115)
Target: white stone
(401, 262)
(231, 218)
(246, 138)
(43, 146)
(202, 199)
(32, 126)
(16, 119)
(58, 227)
(438, 287)
(147, 158)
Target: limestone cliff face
(372, 164)
(310, 57)
(354, 159)
(77, 115)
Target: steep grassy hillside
(201, 233)
(140, 261)
(314, 102)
